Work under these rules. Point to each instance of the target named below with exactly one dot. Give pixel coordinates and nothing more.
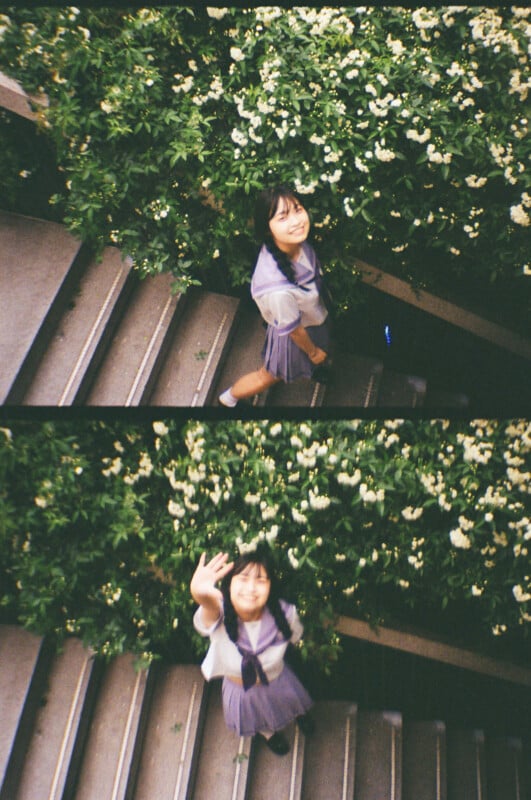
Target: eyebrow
(286, 208)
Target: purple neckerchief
(267, 276)
(251, 666)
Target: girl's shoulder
(288, 608)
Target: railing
(427, 647)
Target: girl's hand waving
(203, 585)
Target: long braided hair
(265, 209)
(260, 557)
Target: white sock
(226, 398)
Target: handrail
(445, 310)
(426, 647)
(15, 99)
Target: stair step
(134, 357)
(378, 756)
(196, 353)
(24, 661)
(170, 744)
(504, 768)
(445, 399)
(466, 764)
(301, 393)
(114, 738)
(401, 390)
(55, 748)
(72, 356)
(355, 381)
(330, 754)
(40, 264)
(274, 776)
(424, 761)
(245, 353)
(223, 758)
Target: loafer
(278, 744)
(306, 724)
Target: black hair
(265, 209)
(262, 557)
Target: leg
(253, 383)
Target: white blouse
(224, 660)
(287, 306)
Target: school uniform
(260, 692)
(285, 306)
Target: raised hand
(205, 577)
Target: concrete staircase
(74, 331)
(74, 728)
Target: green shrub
(394, 521)
(404, 129)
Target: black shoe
(306, 724)
(322, 373)
(278, 744)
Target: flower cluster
(421, 110)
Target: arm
(302, 339)
(203, 586)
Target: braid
(283, 260)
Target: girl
(249, 629)
(286, 286)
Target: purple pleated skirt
(282, 357)
(264, 708)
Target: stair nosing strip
(186, 741)
(478, 773)
(393, 763)
(346, 762)
(125, 737)
(90, 339)
(202, 377)
(516, 776)
(438, 767)
(237, 774)
(148, 352)
(68, 730)
(315, 395)
(370, 388)
(294, 761)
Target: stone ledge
(427, 647)
(15, 99)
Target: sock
(226, 398)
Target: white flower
(293, 560)
(411, 513)
(520, 595)
(349, 480)
(236, 54)
(318, 502)
(474, 182)
(520, 216)
(216, 13)
(160, 428)
(460, 539)
(251, 499)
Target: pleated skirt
(282, 357)
(264, 708)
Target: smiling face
(289, 225)
(249, 591)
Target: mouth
(298, 231)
